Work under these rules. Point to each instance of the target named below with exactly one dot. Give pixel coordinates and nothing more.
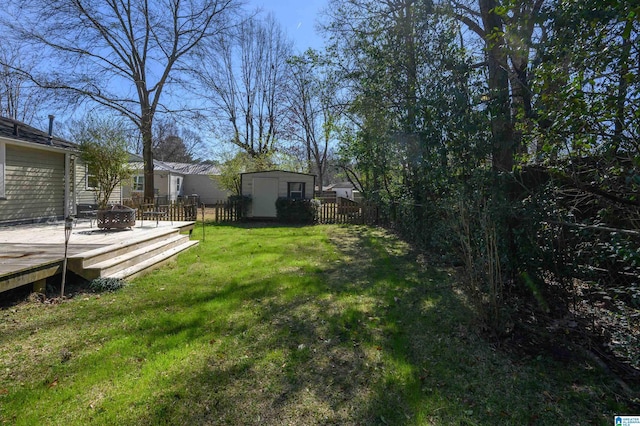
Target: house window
(138, 183)
(3, 161)
(92, 182)
(295, 190)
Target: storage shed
(266, 187)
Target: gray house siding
(34, 185)
(207, 187)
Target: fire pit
(116, 216)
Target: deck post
(40, 286)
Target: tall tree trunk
(499, 104)
(623, 86)
(147, 152)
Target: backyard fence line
(327, 213)
(226, 211)
(357, 214)
(175, 211)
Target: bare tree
(173, 143)
(119, 54)
(19, 99)
(245, 78)
(315, 111)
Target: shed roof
(16, 130)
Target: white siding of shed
(283, 180)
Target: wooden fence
(360, 214)
(151, 209)
(327, 213)
(226, 211)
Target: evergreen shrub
(290, 210)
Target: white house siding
(161, 182)
(207, 187)
(34, 185)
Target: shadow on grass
(371, 339)
(294, 327)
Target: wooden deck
(32, 253)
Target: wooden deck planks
(22, 263)
(30, 253)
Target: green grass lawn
(282, 325)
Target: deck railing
(173, 211)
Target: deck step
(131, 258)
(109, 252)
(153, 262)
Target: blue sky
(298, 19)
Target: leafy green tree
(588, 82)
(412, 92)
(506, 31)
(241, 162)
(103, 148)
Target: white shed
(265, 188)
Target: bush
(100, 285)
(296, 211)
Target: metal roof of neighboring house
(137, 163)
(13, 129)
(279, 171)
(339, 185)
(194, 169)
(179, 168)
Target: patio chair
(86, 211)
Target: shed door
(265, 194)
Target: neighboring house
(201, 180)
(175, 180)
(36, 171)
(167, 181)
(265, 188)
(341, 189)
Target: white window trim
(302, 191)
(3, 167)
(134, 181)
(86, 179)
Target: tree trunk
(147, 153)
(623, 85)
(499, 105)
